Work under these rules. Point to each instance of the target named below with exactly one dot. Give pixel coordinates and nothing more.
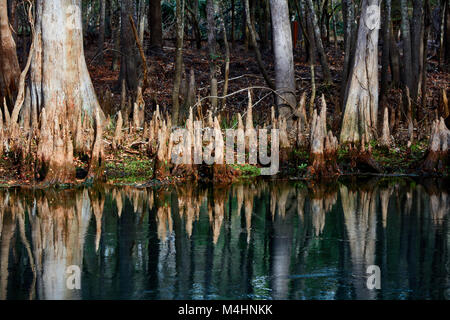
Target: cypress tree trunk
(210, 15)
(128, 60)
(319, 44)
(348, 13)
(155, 24)
(386, 47)
(284, 60)
(60, 85)
(101, 32)
(9, 64)
(178, 62)
(417, 47)
(406, 37)
(361, 103)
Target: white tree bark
(361, 102)
(60, 81)
(9, 65)
(284, 60)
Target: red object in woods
(294, 33)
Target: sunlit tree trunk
(9, 65)
(60, 84)
(60, 81)
(284, 60)
(361, 102)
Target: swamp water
(260, 240)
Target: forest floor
(132, 166)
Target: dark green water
(266, 240)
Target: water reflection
(265, 240)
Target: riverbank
(134, 168)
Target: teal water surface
(260, 240)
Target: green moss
(130, 171)
(247, 170)
(400, 159)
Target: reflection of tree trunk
(282, 243)
(58, 235)
(7, 233)
(360, 220)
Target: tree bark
(155, 24)
(447, 32)
(348, 13)
(178, 61)
(417, 47)
(394, 58)
(406, 37)
(361, 103)
(210, 17)
(319, 44)
(59, 84)
(128, 59)
(386, 47)
(284, 60)
(101, 32)
(195, 23)
(9, 64)
(252, 33)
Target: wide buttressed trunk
(284, 61)
(9, 65)
(60, 86)
(361, 101)
(60, 81)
